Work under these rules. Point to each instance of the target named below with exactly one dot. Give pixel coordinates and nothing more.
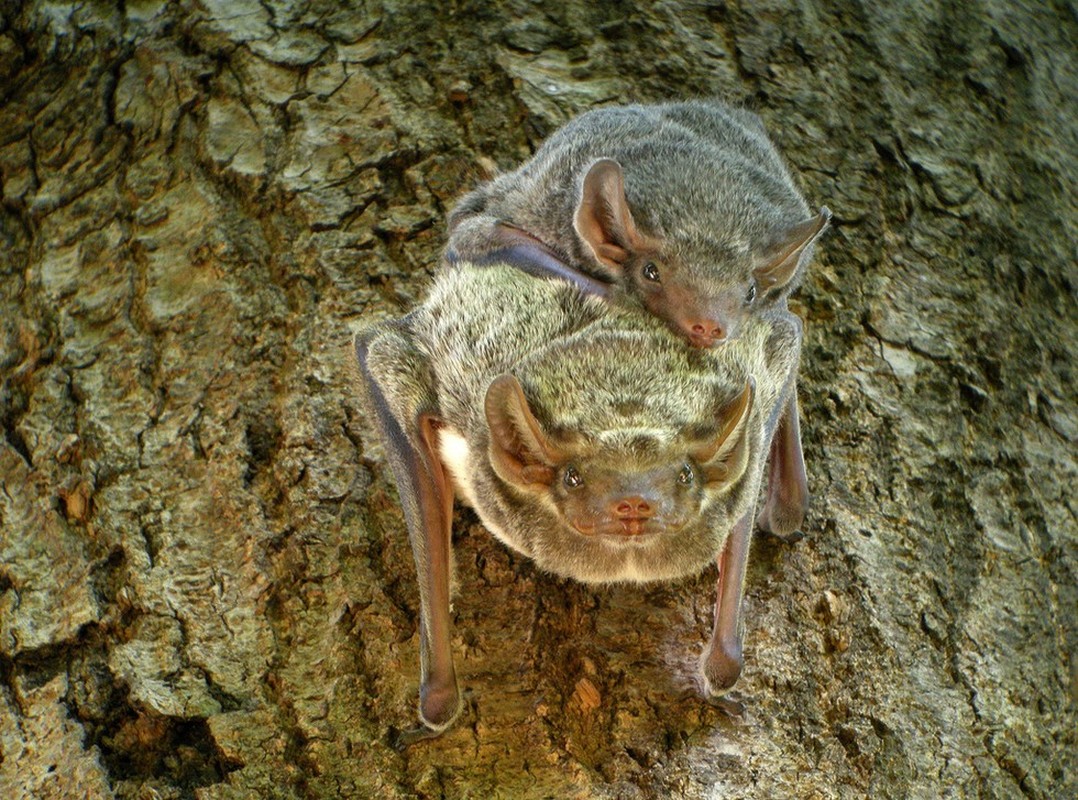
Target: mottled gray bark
(205, 584)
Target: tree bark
(205, 583)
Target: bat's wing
(402, 395)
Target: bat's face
(630, 504)
(611, 498)
(690, 298)
(705, 290)
(615, 515)
(701, 282)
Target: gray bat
(589, 438)
(685, 210)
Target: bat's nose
(633, 514)
(706, 332)
(635, 507)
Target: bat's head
(623, 491)
(703, 290)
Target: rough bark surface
(205, 584)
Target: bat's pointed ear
(789, 250)
(725, 456)
(520, 452)
(602, 218)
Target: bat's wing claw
(731, 704)
(401, 740)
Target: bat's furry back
(701, 175)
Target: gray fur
(701, 177)
(615, 383)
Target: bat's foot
(720, 667)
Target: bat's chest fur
(456, 454)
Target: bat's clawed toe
(788, 538)
(730, 704)
(401, 740)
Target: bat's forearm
(519, 249)
(427, 501)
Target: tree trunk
(206, 589)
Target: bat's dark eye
(572, 478)
(751, 295)
(686, 476)
(650, 272)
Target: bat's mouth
(622, 528)
(633, 526)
